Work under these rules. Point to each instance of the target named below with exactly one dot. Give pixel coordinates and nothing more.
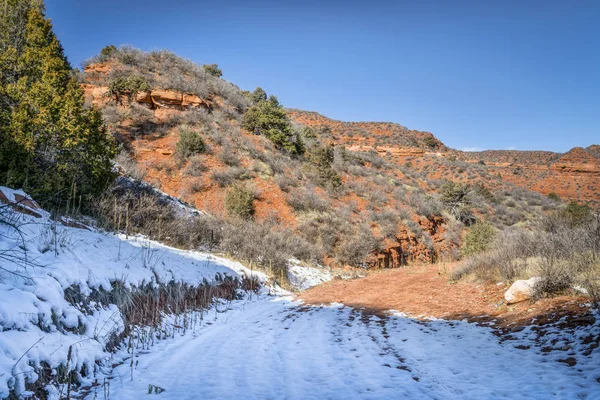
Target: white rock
(520, 290)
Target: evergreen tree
(267, 117)
(52, 146)
(258, 95)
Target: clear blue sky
(477, 74)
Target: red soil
(426, 291)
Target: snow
(37, 323)
(261, 347)
(22, 200)
(303, 277)
(276, 348)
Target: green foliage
(307, 133)
(50, 145)
(456, 197)
(484, 192)
(258, 95)
(127, 86)
(239, 202)
(430, 142)
(190, 143)
(108, 51)
(213, 69)
(479, 238)
(267, 117)
(321, 158)
(553, 196)
(576, 214)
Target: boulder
(521, 290)
(21, 202)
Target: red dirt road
(426, 291)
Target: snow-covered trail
(273, 348)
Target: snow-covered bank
(303, 276)
(43, 262)
(275, 348)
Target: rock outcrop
(21, 202)
(154, 99)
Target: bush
(456, 197)
(127, 86)
(108, 51)
(239, 202)
(195, 167)
(553, 196)
(306, 199)
(479, 239)
(190, 143)
(213, 69)
(576, 214)
(269, 118)
(228, 156)
(354, 249)
(430, 142)
(228, 176)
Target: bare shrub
(323, 229)
(130, 166)
(195, 166)
(285, 182)
(354, 249)
(561, 254)
(305, 199)
(228, 156)
(266, 243)
(229, 175)
(425, 204)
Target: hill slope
(574, 175)
(360, 194)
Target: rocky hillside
(574, 175)
(362, 194)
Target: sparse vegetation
(127, 86)
(213, 69)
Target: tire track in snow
(276, 349)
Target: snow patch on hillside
(40, 259)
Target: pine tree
(52, 146)
(268, 117)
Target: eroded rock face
(166, 98)
(521, 290)
(154, 99)
(408, 248)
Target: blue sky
(477, 74)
